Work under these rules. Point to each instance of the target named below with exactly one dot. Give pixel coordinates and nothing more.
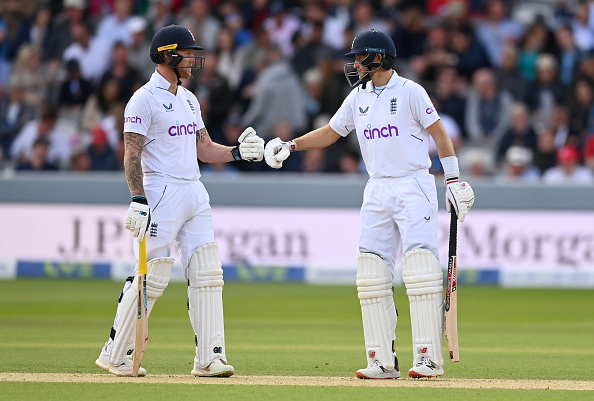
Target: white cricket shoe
(425, 368)
(377, 371)
(124, 369)
(215, 369)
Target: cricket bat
(141, 338)
(451, 297)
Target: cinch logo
(429, 110)
(372, 133)
(181, 129)
(133, 120)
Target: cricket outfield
(292, 342)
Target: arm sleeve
(421, 107)
(138, 116)
(343, 122)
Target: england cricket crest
(393, 106)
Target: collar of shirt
(159, 81)
(391, 82)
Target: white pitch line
(315, 381)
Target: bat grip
(453, 233)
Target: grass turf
(287, 329)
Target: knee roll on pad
(205, 304)
(423, 278)
(157, 278)
(375, 291)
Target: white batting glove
(251, 146)
(277, 152)
(138, 217)
(460, 195)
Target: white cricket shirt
(391, 126)
(170, 123)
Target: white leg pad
(157, 278)
(205, 304)
(375, 291)
(423, 278)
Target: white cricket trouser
(180, 214)
(397, 211)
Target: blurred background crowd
(513, 81)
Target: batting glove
(251, 146)
(277, 152)
(460, 195)
(138, 217)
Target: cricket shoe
(123, 369)
(425, 368)
(215, 369)
(377, 371)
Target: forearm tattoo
(201, 136)
(133, 149)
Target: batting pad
(423, 278)
(157, 278)
(374, 286)
(205, 304)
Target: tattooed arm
(133, 144)
(211, 152)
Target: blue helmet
(168, 40)
(370, 43)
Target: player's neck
(381, 77)
(170, 76)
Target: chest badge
(393, 106)
(191, 106)
(363, 111)
(168, 108)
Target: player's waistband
(416, 173)
(160, 179)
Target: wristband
(292, 146)
(450, 167)
(140, 199)
(236, 154)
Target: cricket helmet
(370, 43)
(168, 40)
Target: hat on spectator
(518, 156)
(137, 24)
(78, 4)
(568, 154)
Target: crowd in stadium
(513, 81)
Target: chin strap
(179, 82)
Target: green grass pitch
(59, 326)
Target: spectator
(40, 29)
(313, 161)
(435, 55)
(91, 53)
(60, 36)
(39, 158)
(469, 52)
(589, 152)
(532, 44)
(75, 90)
(115, 27)
(349, 162)
(44, 127)
(101, 155)
(160, 14)
(31, 75)
(15, 112)
(520, 133)
(476, 161)
(581, 107)
(517, 167)
(411, 33)
(229, 64)
(126, 76)
(234, 21)
(276, 96)
(102, 105)
(487, 109)
(497, 30)
(139, 48)
(448, 93)
(545, 155)
(203, 25)
(568, 171)
(562, 127)
(582, 32)
(364, 18)
(282, 26)
(311, 51)
(546, 91)
(568, 54)
(508, 77)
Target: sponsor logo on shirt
(381, 132)
(363, 111)
(429, 110)
(168, 108)
(133, 120)
(182, 129)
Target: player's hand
(138, 217)
(277, 152)
(460, 195)
(251, 146)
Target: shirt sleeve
(343, 120)
(138, 116)
(421, 107)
